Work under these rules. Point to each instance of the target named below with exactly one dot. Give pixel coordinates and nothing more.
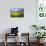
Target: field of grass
(17, 14)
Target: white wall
(24, 24)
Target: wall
(24, 24)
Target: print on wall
(17, 12)
(41, 8)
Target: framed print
(41, 8)
(41, 12)
(17, 12)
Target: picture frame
(41, 8)
(17, 12)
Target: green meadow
(17, 14)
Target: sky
(16, 9)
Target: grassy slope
(17, 14)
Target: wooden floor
(13, 44)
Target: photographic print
(17, 12)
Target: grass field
(17, 14)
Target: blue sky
(16, 9)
